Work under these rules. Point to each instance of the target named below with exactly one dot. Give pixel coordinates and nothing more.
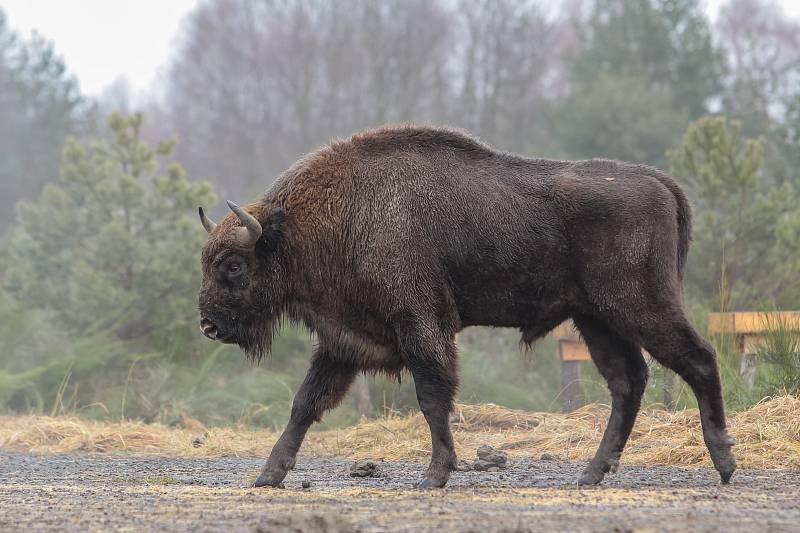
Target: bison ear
(273, 230)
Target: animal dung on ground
(365, 469)
(490, 459)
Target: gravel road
(90, 492)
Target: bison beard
(389, 243)
(255, 337)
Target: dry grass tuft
(768, 436)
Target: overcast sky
(103, 40)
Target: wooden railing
(750, 329)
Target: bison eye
(234, 269)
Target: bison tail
(684, 218)
(684, 229)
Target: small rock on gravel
(547, 457)
(365, 469)
(489, 458)
(306, 484)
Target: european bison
(387, 244)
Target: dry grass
(768, 436)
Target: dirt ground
(97, 492)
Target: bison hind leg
(674, 343)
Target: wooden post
(748, 347)
(571, 351)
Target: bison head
(244, 284)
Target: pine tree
(746, 229)
(113, 245)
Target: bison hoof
(591, 476)
(725, 476)
(723, 459)
(270, 479)
(727, 469)
(431, 483)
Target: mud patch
(307, 523)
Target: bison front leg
(326, 382)
(432, 363)
(622, 365)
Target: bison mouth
(211, 331)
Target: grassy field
(768, 436)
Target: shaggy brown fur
(390, 242)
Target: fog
(100, 239)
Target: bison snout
(209, 329)
(215, 333)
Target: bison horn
(250, 231)
(207, 222)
